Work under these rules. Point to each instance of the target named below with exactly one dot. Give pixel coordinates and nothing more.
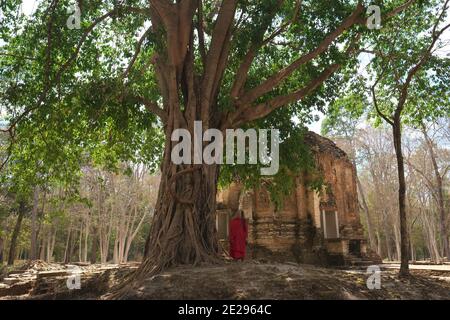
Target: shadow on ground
(230, 280)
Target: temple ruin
(311, 227)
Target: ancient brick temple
(311, 227)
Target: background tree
(432, 167)
(397, 72)
(341, 123)
(407, 83)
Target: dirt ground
(230, 280)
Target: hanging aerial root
(172, 184)
(148, 269)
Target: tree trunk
(80, 243)
(1, 250)
(133, 235)
(66, 251)
(389, 248)
(433, 246)
(183, 227)
(379, 244)
(387, 236)
(367, 213)
(115, 252)
(94, 246)
(404, 245)
(15, 234)
(43, 249)
(439, 195)
(397, 241)
(86, 237)
(411, 247)
(34, 212)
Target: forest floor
(229, 280)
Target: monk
(238, 236)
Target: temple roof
(321, 144)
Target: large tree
(130, 68)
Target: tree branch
(152, 107)
(263, 109)
(218, 53)
(136, 53)
(244, 67)
(69, 61)
(399, 9)
(248, 113)
(201, 32)
(375, 101)
(277, 78)
(424, 58)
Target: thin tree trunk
(94, 246)
(86, 238)
(132, 236)
(387, 236)
(66, 251)
(397, 241)
(72, 244)
(404, 245)
(15, 234)
(80, 243)
(367, 214)
(1, 250)
(411, 248)
(49, 245)
(34, 213)
(433, 241)
(388, 248)
(115, 251)
(440, 195)
(53, 244)
(43, 248)
(379, 244)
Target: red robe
(238, 238)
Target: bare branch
(425, 177)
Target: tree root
(148, 269)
